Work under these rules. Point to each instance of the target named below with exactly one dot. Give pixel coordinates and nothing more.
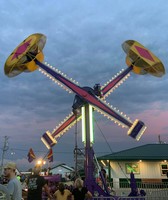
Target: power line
(40, 151)
(111, 150)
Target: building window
(164, 169)
(132, 167)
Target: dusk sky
(84, 41)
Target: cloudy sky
(84, 41)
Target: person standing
(35, 185)
(80, 192)
(62, 193)
(14, 186)
(103, 171)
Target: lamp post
(40, 162)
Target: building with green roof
(149, 163)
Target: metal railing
(153, 190)
(130, 198)
(140, 184)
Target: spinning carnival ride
(28, 56)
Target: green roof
(150, 152)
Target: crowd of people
(40, 189)
(79, 192)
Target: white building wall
(117, 169)
(148, 170)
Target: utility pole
(5, 148)
(160, 141)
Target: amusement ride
(28, 57)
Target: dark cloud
(83, 41)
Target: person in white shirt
(14, 186)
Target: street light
(41, 162)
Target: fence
(155, 191)
(129, 198)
